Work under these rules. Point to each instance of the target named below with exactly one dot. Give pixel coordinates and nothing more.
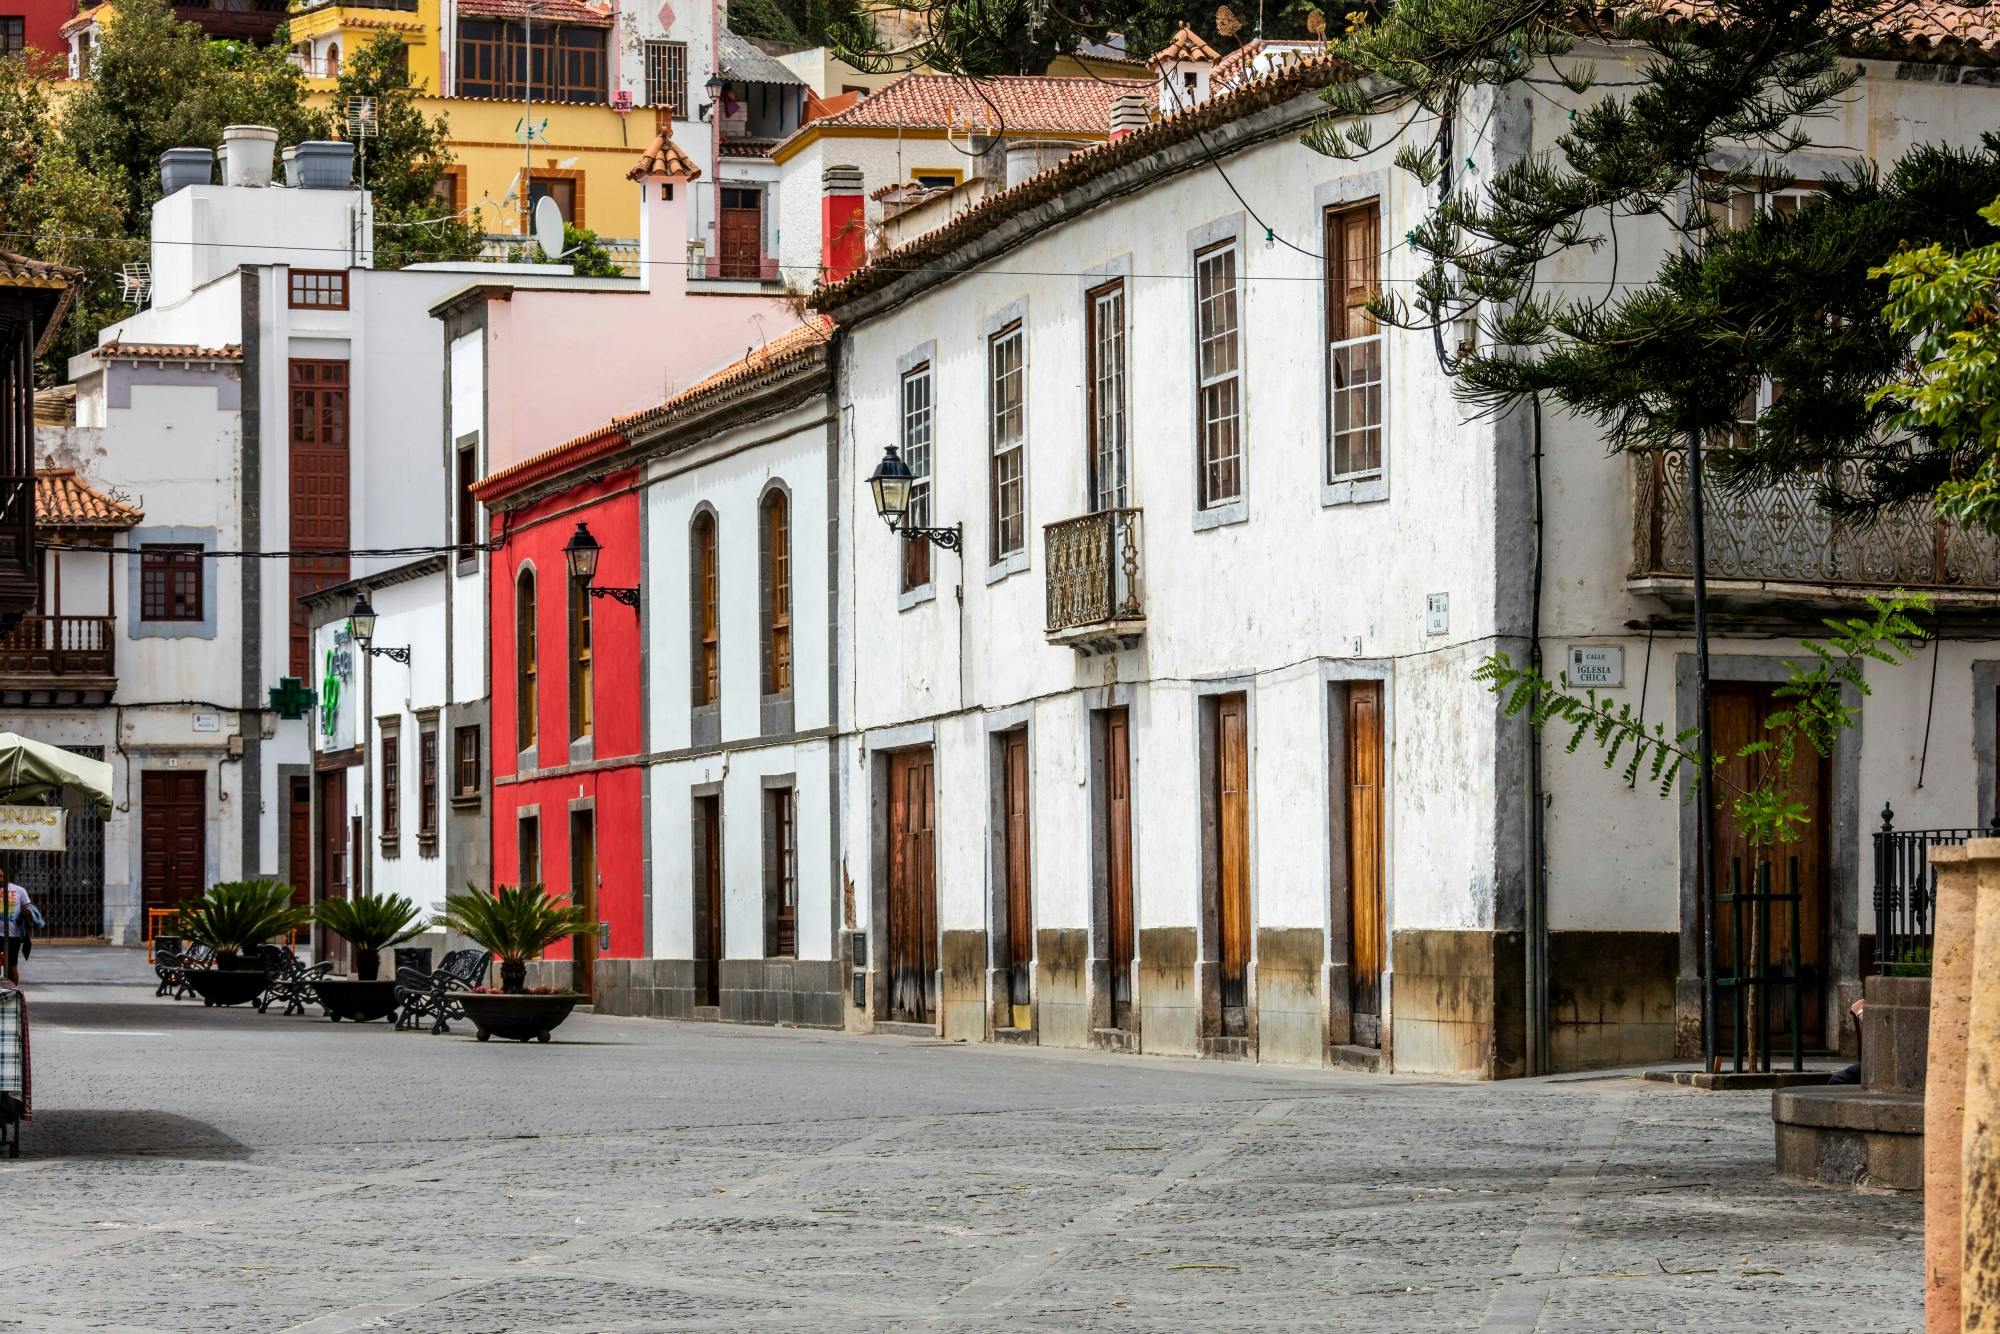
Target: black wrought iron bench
(172, 964)
(293, 981)
(424, 995)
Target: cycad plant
(371, 924)
(516, 922)
(240, 915)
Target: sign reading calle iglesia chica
(33, 829)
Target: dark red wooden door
(1118, 862)
(173, 821)
(913, 923)
(1020, 886)
(1232, 905)
(319, 491)
(708, 902)
(1367, 943)
(741, 233)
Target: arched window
(333, 60)
(579, 660)
(525, 663)
(706, 616)
(777, 544)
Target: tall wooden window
(427, 789)
(1007, 440)
(916, 446)
(318, 289)
(170, 582)
(526, 667)
(707, 615)
(781, 874)
(392, 787)
(528, 855)
(13, 35)
(569, 63)
(1109, 483)
(466, 778)
(465, 513)
(1219, 369)
(778, 593)
(317, 426)
(580, 697)
(1354, 341)
(667, 78)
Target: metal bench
(174, 964)
(293, 981)
(423, 994)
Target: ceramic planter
(519, 1017)
(182, 167)
(247, 154)
(322, 164)
(356, 999)
(228, 986)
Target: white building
(1183, 752)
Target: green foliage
(1945, 303)
(372, 922)
(239, 915)
(515, 922)
(1813, 715)
(403, 162)
(581, 252)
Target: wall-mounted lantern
(581, 555)
(891, 482)
(361, 620)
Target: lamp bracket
(401, 655)
(628, 596)
(945, 539)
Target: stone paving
(190, 1167)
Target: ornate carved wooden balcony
(58, 660)
(1776, 544)
(1095, 596)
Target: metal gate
(69, 886)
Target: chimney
(842, 232)
(1128, 113)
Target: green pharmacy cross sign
(290, 698)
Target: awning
(33, 770)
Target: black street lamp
(892, 482)
(361, 620)
(581, 555)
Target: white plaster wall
(409, 615)
(468, 581)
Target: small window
(778, 594)
(1354, 342)
(319, 289)
(427, 789)
(916, 443)
(1218, 366)
(466, 781)
(170, 582)
(465, 519)
(580, 698)
(781, 884)
(707, 619)
(391, 819)
(1007, 437)
(528, 857)
(666, 78)
(13, 35)
(1109, 482)
(526, 668)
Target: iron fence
(1906, 893)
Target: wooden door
(1019, 888)
(319, 514)
(173, 824)
(299, 843)
(741, 233)
(1737, 711)
(1118, 863)
(583, 893)
(708, 901)
(913, 925)
(1232, 888)
(1367, 933)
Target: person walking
(17, 914)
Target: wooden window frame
(775, 516)
(1105, 385)
(1356, 380)
(1219, 389)
(705, 607)
(389, 816)
(318, 425)
(1007, 442)
(527, 848)
(527, 662)
(665, 65)
(462, 758)
(170, 583)
(781, 872)
(465, 511)
(429, 787)
(917, 435)
(582, 674)
(493, 59)
(316, 289)
(527, 186)
(13, 34)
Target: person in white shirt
(17, 913)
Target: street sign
(1596, 665)
(33, 829)
(1437, 613)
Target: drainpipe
(1537, 908)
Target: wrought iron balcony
(58, 660)
(1095, 595)
(1776, 543)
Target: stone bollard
(1979, 1180)
(1944, 1097)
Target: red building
(34, 25)
(567, 693)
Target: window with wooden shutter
(528, 855)
(391, 818)
(317, 433)
(707, 673)
(1219, 373)
(1007, 440)
(467, 779)
(427, 789)
(580, 695)
(781, 884)
(916, 448)
(1105, 312)
(526, 668)
(778, 594)
(170, 582)
(1354, 342)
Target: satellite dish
(549, 227)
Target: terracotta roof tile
(544, 11)
(819, 108)
(1928, 29)
(120, 351)
(1259, 57)
(53, 284)
(1013, 103)
(56, 405)
(1186, 45)
(664, 158)
(64, 500)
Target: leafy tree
(586, 257)
(403, 161)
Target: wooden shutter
(1367, 942)
(1232, 780)
(320, 498)
(1020, 888)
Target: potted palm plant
(516, 922)
(233, 919)
(369, 924)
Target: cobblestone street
(232, 1171)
